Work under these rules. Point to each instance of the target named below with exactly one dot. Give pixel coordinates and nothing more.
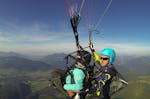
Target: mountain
(131, 64)
(16, 54)
(24, 64)
(27, 62)
(139, 65)
(123, 63)
(6, 54)
(55, 60)
(138, 85)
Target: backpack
(86, 82)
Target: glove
(91, 47)
(98, 92)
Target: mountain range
(34, 84)
(132, 64)
(23, 64)
(126, 64)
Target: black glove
(91, 47)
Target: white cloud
(122, 48)
(40, 49)
(36, 32)
(67, 47)
(49, 41)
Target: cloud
(42, 49)
(67, 47)
(36, 32)
(40, 38)
(36, 38)
(126, 48)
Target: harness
(86, 82)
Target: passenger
(76, 76)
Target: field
(138, 87)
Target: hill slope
(138, 88)
(22, 64)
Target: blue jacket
(104, 78)
(79, 76)
(107, 73)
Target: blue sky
(42, 26)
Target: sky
(43, 27)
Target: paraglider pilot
(105, 73)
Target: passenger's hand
(71, 93)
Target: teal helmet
(110, 53)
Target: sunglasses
(102, 58)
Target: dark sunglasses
(104, 58)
